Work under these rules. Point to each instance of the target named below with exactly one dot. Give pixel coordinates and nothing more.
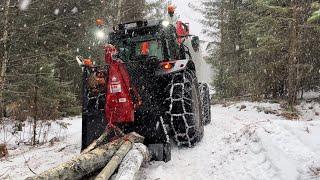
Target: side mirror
(195, 41)
(79, 60)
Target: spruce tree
(258, 47)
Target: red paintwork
(119, 106)
(182, 31)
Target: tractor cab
(148, 40)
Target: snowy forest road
(246, 144)
(238, 144)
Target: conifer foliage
(39, 41)
(263, 48)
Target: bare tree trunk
(35, 118)
(293, 59)
(5, 59)
(129, 10)
(119, 14)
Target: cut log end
(113, 164)
(131, 164)
(3, 151)
(134, 137)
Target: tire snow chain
(182, 99)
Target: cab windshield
(140, 50)
(149, 48)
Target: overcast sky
(189, 15)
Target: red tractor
(148, 85)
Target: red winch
(120, 106)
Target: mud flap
(93, 125)
(160, 152)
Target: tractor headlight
(100, 34)
(165, 23)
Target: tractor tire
(206, 104)
(183, 109)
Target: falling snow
(74, 10)
(56, 12)
(24, 5)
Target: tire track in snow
(224, 154)
(260, 163)
(294, 157)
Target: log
(130, 166)
(103, 139)
(83, 164)
(108, 171)
(87, 163)
(96, 143)
(113, 164)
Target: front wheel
(183, 109)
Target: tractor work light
(100, 34)
(165, 23)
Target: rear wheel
(206, 104)
(183, 109)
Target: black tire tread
(206, 103)
(179, 112)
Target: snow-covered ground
(247, 145)
(238, 144)
(41, 158)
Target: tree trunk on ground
(107, 172)
(87, 163)
(96, 143)
(5, 58)
(131, 164)
(83, 164)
